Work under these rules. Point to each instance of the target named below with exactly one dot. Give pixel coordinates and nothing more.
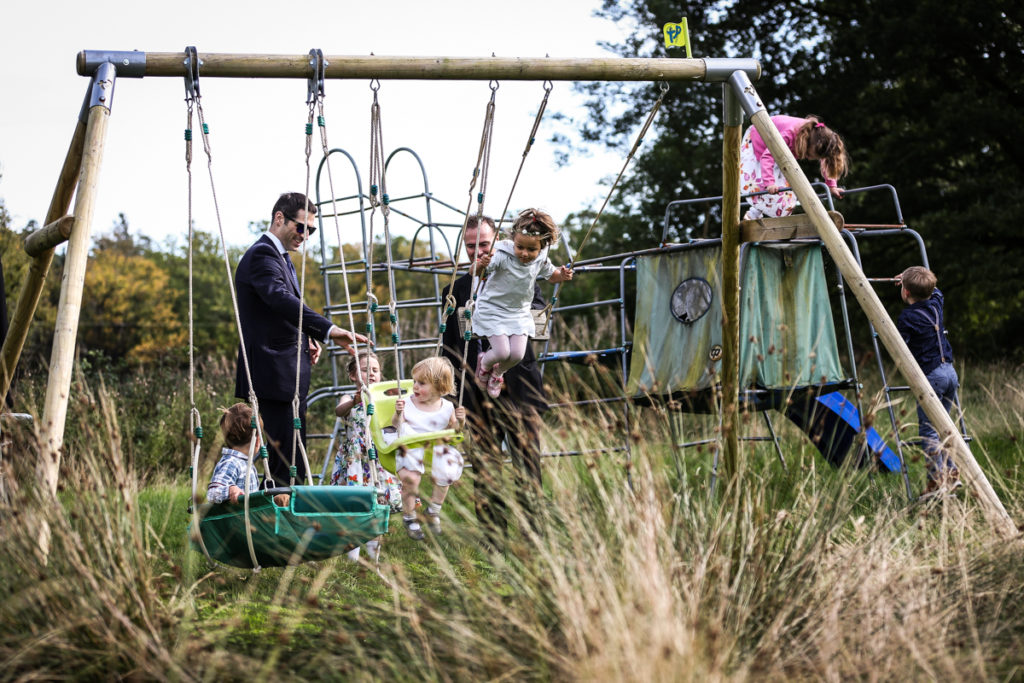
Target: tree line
(135, 307)
(926, 94)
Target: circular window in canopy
(691, 300)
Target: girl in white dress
(427, 411)
(503, 305)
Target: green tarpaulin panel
(670, 355)
(786, 328)
(319, 522)
(787, 335)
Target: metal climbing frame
(854, 235)
(355, 206)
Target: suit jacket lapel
(287, 271)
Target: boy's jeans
(945, 383)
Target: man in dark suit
(268, 306)
(514, 417)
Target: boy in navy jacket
(922, 327)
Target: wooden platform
(785, 228)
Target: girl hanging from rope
(808, 138)
(428, 411)
(503, 306)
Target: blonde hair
(815, 139)
(536, 223)
(438, 372)
(236, 425)
(919, 282)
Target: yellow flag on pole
(678, 35)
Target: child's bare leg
(437, 497)
(410, 489)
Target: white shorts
(446, 469)
(447, 466)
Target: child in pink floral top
(807, 138)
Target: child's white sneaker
(413, 528)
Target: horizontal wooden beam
(48, 237)
(784, 228)
(226, 65)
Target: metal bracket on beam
(101, 92)
(718, 70)
(744, 90)
(130, 64)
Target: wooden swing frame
(80, 173)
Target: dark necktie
(291, 269)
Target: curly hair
(438, 372)
(536, 223)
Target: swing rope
(314, 94)
(195, 417)
(548, 87)
(636, 145)
(379, 199)
(263, 454)
(573, 256)
(480, 172)
(322, 124)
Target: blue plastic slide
(832, 423)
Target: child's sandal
(494, 385)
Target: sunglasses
(301, 227)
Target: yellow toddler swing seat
(382, 396)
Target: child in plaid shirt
(229, 481)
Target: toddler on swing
(229, 482)
(503, 306)
(428, 411)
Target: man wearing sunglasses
(268, 306)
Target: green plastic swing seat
(319, 522)
(383, 396)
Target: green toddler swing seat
(382, 396)
(319, 522)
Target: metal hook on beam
(318, 69)
(192, 65)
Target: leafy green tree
(16, 264)
(126, 311)
(926, 94)
(214, 333)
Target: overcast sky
(257, 127)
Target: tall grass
(804, 573)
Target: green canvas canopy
(787, 334)
(319, 522)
